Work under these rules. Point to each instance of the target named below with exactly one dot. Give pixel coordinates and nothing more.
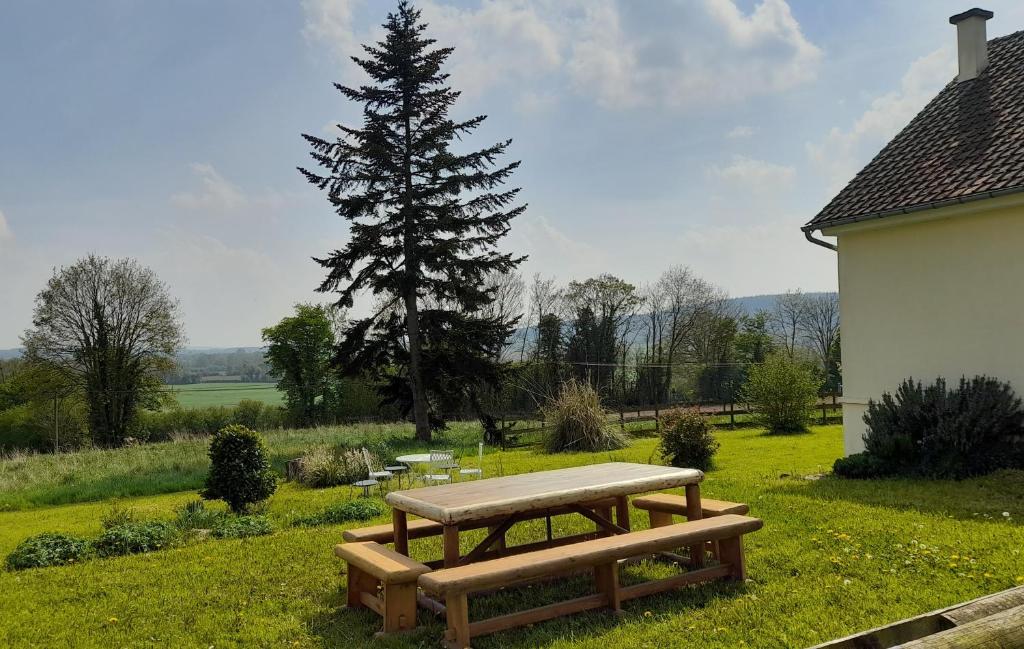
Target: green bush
(240, 527)
(194, 515)
(117, 515)
(353, 510)
(972, 429)
(240, 472)
(134, 538)
(47, 550)
(163, 425)
(578, 422)
(860, 466)
(687, 439)
(782, 393)
(331, 466)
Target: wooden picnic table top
(455, 503)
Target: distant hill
(753, 303)
(10, 353)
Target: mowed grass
(834, 557)
(201, 395)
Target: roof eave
(934, 205)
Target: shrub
(970, 430)
(578, 422)
(117, 515)
(240, 527)
(782, 393)
(328, 466)
(861, 466)
(134, 538)
(47, 550)
(353, 510)
(240, 472)
(194, 515)
(687, 439)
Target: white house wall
(942, 297)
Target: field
(200, 395)
(834, 556)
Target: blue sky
(697, 132)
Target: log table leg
(451, 545)
(622, 512)
(401, 525)
(693, 513)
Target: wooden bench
(661, 507)
(373, 568)
(602, 555)
(420, 528)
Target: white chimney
(971, 43)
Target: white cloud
(5, 229)
(215, 192)
(842, 153)
(740, 131)
(753, 174)
(552, 251)
(713, 52)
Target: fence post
(824, 414)
(732, 415)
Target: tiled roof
(967, 143)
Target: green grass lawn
(200, 395)
(834, 557)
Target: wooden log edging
(939, 626)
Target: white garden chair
(441, 465)
(479, 470)
(373, 467)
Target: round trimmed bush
(240, 472)
(47, 549)
(687, 439)
(240, 527)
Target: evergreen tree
(425, 221)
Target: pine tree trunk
(419, 394)
(412, 314)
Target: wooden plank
(381, 562)
(606, 578)
(675, 504)
(988, 606)
(399, 607)
(671, 583)
(479, 499)
(999, 631)
(458, 622)
(534, 615)
(513, 569)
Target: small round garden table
(414, 458)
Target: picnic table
(509, 499)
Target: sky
(651, 134)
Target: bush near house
(934, 431)
(687, 439)
(782, 392)
(240, 472)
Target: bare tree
(114, 328)
(788, 319)
(545, 299)
(821, 325)
(507, 294)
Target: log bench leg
(605, 513)
(606, 578)
(694, 513)
(399, 607)
(622, 512)
(659, 518)
(731, 552)
(457, 612)
(359, 582)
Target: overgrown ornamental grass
(835, 556)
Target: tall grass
(30, 480)
(578, 422)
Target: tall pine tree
(425, 221)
